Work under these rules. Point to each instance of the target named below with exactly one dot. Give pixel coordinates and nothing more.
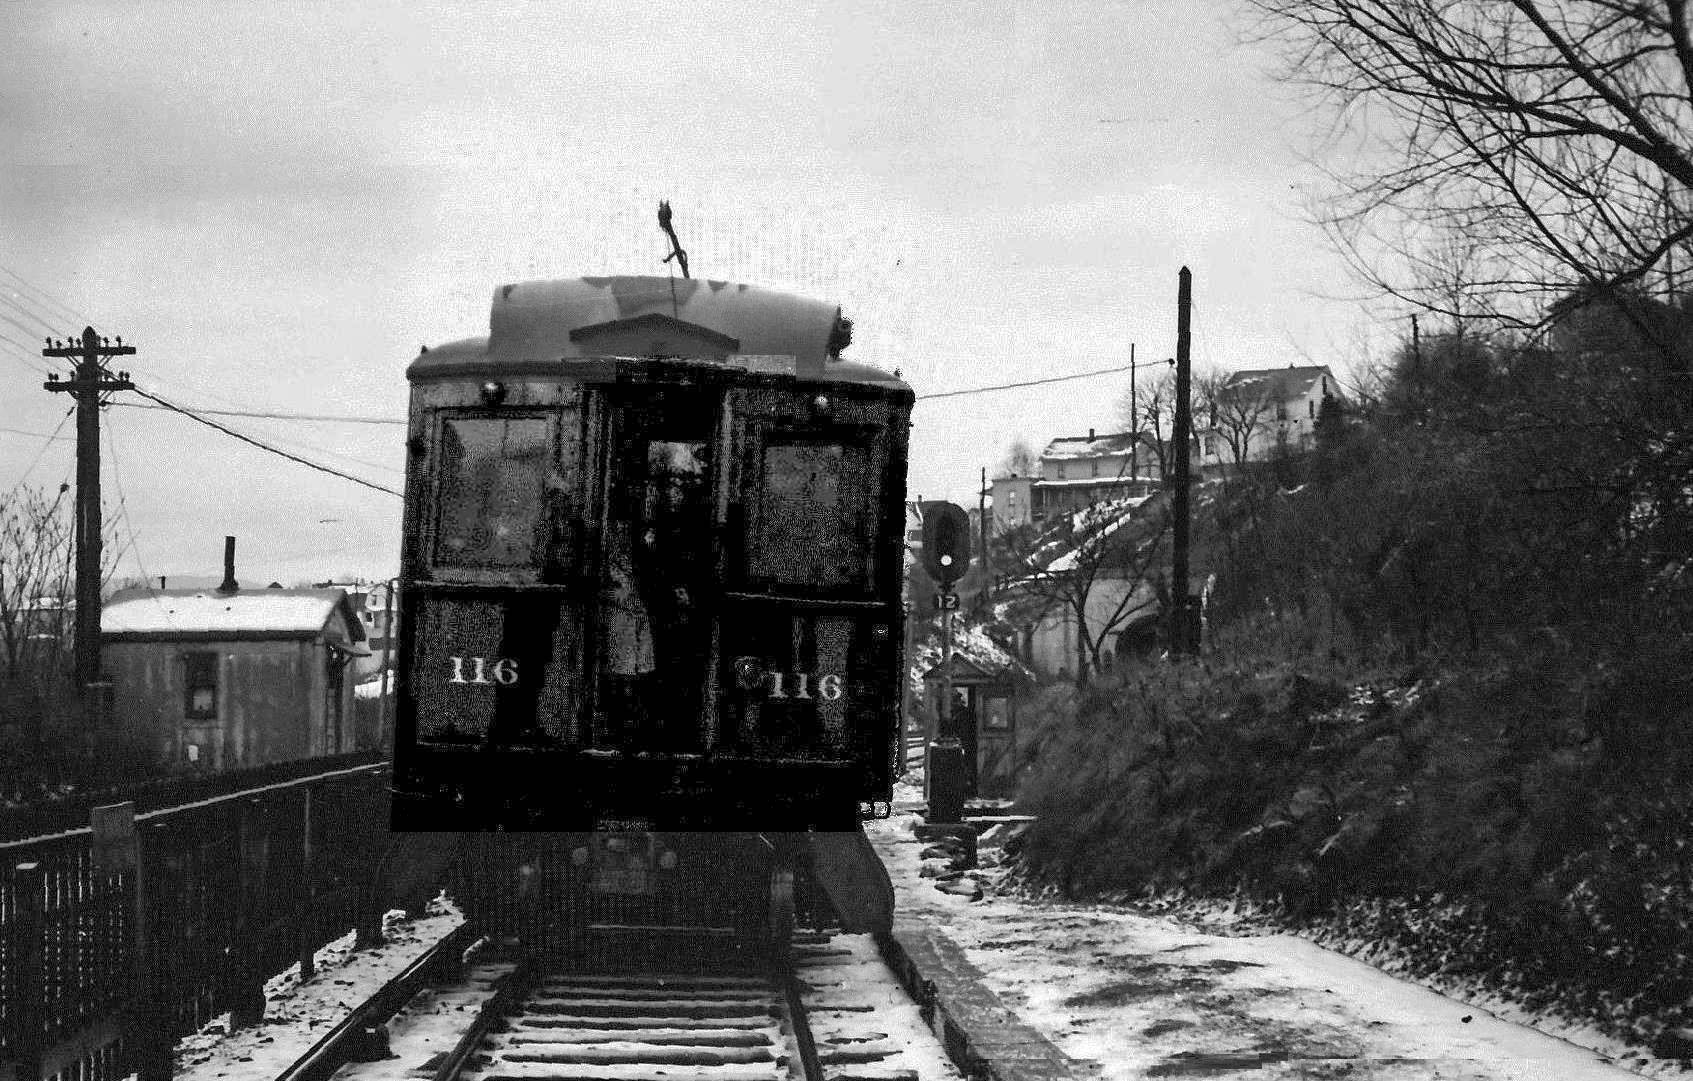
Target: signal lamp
(493, 393)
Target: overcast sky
(278, 203)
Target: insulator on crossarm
(120, 339)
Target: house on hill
(230, 678)
(1075, 471)
(1258, 412)
(1098, 568)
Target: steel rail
(811, 1067)
(514, 989)
(335, 1049)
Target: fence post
(149, 1032)
(307, 916)
(29, 1009)
(371, 896)
(243, 988)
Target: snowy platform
(981, 1034)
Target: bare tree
(1020, 460)
(1547, 141)
(1235, 409)
(1149, 412)
(36, 567)
(1064, 570)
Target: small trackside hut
(651, 573)
(229, 678)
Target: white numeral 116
(504, 670)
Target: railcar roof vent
(655, 335)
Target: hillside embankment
(1499, 827)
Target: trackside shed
(229, 679)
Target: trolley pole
(1181, 618)
(88, 382)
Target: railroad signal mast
(946, 556)
(88, 382)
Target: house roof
(1097, 482)
(1277, 384)
(207, 614)
(1084, 446)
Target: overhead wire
(41, 295)
(1024, 383)
(192, 415)
(38, 435)
(123, 512)
(45, 444)
(333, 418)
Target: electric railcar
(651, 573)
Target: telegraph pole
(1134, 420)
(87, 383)
(1181, 632)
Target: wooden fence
(118, 937)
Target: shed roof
(964, 670)
(203, 613)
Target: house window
(1311, 408)
(200, 697)
(1095, 465)
(1210, 446)
(1060, 470)
(1281, 410)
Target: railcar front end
(651, 569)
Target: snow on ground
(297, 1014)
(1149, 996)
(858, 1010)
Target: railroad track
(504, 1020)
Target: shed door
(997, 747)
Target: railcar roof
(543, 322)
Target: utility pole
(982, 521)
(1181, 636)
(1134, 421)
(87, 383)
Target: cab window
(814, 518)
(493, 474)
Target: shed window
(200, 698)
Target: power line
(48, 442)
(265, 446)
(44, 297)
(1014, 386)
(28, 311)
(301, 446)
(38, 435)
(123, 511)
(330, 417)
